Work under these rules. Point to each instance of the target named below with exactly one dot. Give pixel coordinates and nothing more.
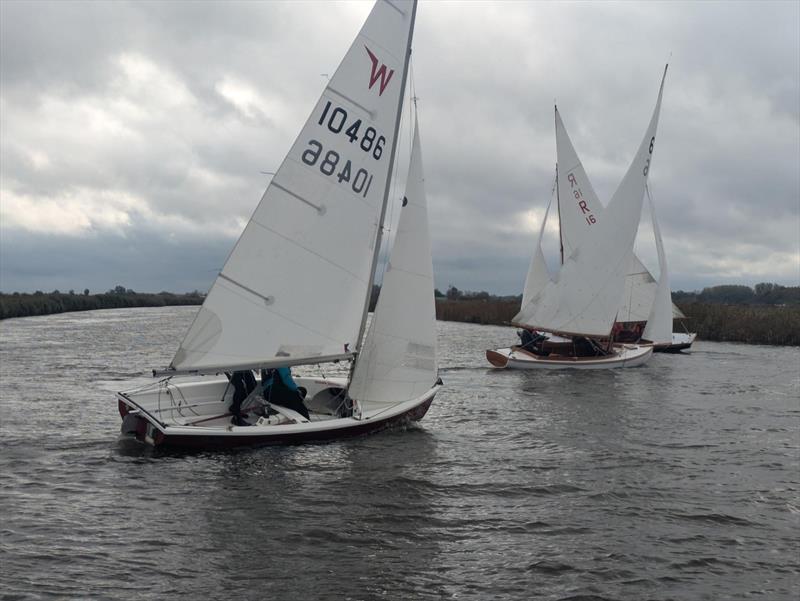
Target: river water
(676, 480)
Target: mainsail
(294, 288)
(587, 294)
(659, 322)
(579, 210)
(578, 204)
(398, 359)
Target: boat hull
(146, 428)
(680, 342)
(516, 358)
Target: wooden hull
(147, 428)
(627, 355)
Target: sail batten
(296, 282)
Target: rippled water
(677, 480)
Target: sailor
(530, 338)
(280, 389)
(244, 382)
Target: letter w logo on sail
(378, 73)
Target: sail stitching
(290, 320)
(309, 251)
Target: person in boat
(531, 340)
(243, 382)
(586, 347)
(280, 389)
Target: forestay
(294, 288)
(587, 294)
(398, 360)
(659, 322)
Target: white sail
(587, 294)
(579, 210)
(398, 360)
(659, 322)
(538, 274)
(578, 205)
(294, 287)
(640, 292)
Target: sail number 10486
(370, 141)
(360, 181)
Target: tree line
(20, 304)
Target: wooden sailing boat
(579, 210)
(295, 289)
(581, 304)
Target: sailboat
(580, 305)
(295, 288)
(580, 212)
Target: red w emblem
(378, 73)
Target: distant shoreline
(751, 324)
(31, 305)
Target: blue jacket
(285, 374)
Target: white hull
(680, 341)
(195, 414)
(626, 355)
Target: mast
(385, 202)
(558, 203)
(558, 208)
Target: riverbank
(27, 305)
(752, 324)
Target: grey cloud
(726, 178)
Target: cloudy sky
(133, 135)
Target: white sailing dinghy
(578, 212)
(295, 289)
(581, 303)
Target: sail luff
(387, 189)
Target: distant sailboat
(579, 209)
(581, 303)
(295, 289)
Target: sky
(134, 136)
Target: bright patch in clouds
(75, 213)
